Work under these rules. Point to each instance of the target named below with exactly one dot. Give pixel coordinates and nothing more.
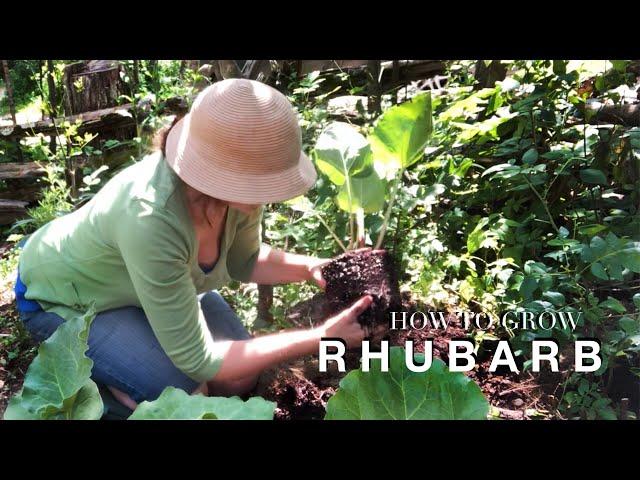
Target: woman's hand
(345, 324)
(315, 271)
(315, 267)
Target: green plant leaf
(591, 230)
(300, 204)
(630, 256)
(530, 157)
(593, 176)
(613, 304)
(401, 394)
(629, 325)
(477, 235)
(636, 300)
(176, 404)
(467, 106)
(560, 67)
(504, 170)
(528, 286)
(58, 383)
(401, 135)
(341, 151)
(607, 413)
(620, 65)
(556, 298)
(598, 270)
(367, 193)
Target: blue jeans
(125, 352)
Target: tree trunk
(152, 67)
(92, 85)
(265, 293)
(228, 69)
(9, 87)
(373, 67)
(488, 75)
(10, 100)
(395, 77)
(42, 99)
(51, 85)
(265, 302)
(193, 65)
(53, 102)
(135, 77)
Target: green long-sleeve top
(134, 244)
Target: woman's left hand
(315, 267)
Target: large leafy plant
(400, 394)
(176, 404)
(367, 171)
(58, 384)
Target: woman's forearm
(275, 266)
(246, 358)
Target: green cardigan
(134, 244)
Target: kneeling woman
(155, 242)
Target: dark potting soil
(355, 274)
(300, 390)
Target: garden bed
(301, 390)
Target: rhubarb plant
(367, 171)
(176, 404)
(58, 384)
(401, 394)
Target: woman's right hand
(345, 324)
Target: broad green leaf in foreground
(176, 404)
(401, 394)
(58, 384)
(401, 135)
(341, 152)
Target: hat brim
(197, 171)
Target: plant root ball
(355, 274)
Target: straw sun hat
(241, 142)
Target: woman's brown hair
(160, 140)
